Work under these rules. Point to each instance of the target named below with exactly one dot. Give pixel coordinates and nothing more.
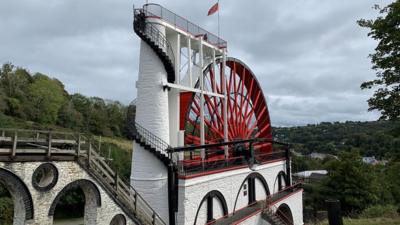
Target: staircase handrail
(137, 197)
(284, 219)
(269, 203)
(151, 139)
(158, 11)
(155, 34)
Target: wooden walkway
(260, 206)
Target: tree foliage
(357, 185)
(40, 102)
(386, 61)
(43, 100)
(376, 138)
(352, 182)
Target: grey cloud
(309, 56)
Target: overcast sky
(310, 56)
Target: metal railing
(151, 139)
(210, 157)
(153, 33)
(28, 145)
(155, 10)
(270, 208)
(123, 189)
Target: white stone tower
(203, 143)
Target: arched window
(212, 200)
(285, 214)
(250, 186)
(281, 181)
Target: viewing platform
(208, 159)
(180, 24)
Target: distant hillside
(37, 101)
(378, 138)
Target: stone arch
(92, 199)
(252, 177)
(118, 219)
(209, 199)
(22, 198)
(285, 214)
(281, 181)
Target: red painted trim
(183, 177)
(258, 211)
(231, 214)
(211, 172)
(272, 161)
(247, 217)
(286, 196)
(154, 17)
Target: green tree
(352, 182)
(130, 121)
(393, 180)
(13, 84)
(116, 117)
(69, 117)
(98, 118)
(386, 61)
(46, 96)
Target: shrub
(7, 210)
(380, 211)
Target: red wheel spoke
(215, 111)
(248, 116)
(247, 113)
(262, 130)
(241, 118)
(206, 121)
(235, 96)
(215, 90)
(249, 94)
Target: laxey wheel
(247, 110)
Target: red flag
(213, 9)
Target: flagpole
(218, 24)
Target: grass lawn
(368, 221)
(125, 144)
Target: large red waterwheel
(247, 110)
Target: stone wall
(68, 172)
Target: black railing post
(172, 192)
(135, 203)
(251, 158)
(288, 170)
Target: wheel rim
(247, 110)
